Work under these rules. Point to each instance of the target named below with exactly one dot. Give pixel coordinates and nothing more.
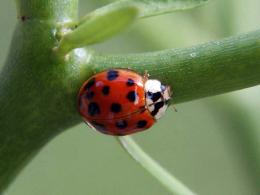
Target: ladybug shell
(113, 102)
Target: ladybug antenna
(175, 109)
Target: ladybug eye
(163, 88)
(149, 94)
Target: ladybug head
(157, 97)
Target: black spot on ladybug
(93, 109)
(115, 107)
(154, 96)
(157, 107)
(105, 90)
(98, 126)
(131, 96)
(130, 82)
(122, 124)
(90, 84)
(89, 95)
(112, 75)
(141, 124)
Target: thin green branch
(154, 168)
(96, 26)
(107, 21)
(205, 70)
(157, 7)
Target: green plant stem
(58, 10)
(38, 89)
(205, 70)
(35, 85)
(155, 169)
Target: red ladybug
(121, 102)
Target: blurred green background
(212, 145)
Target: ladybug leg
(167, 101)
(146, 75)
(169, 90)
(175, 109)
(89, 125)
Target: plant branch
(39, 89)
(58, 10)
(96, 26)
(155, 7)
(35, 86)
(205, 70)
(154, 168)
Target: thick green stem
(58, 10)
(35, 85)
(209, 69)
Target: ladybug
(121, 102)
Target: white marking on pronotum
(152, 86)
